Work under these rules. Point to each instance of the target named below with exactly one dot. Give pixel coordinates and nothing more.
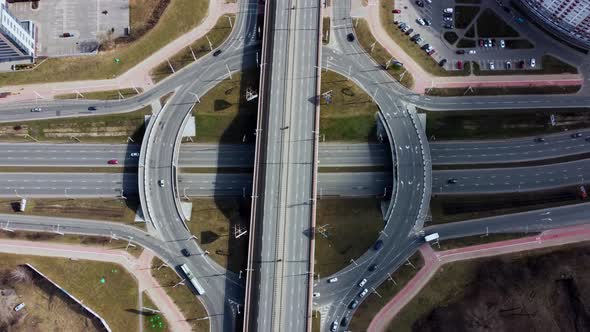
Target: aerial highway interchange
(277, 295)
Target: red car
(459, 65)
(396, 11)
(113, 162)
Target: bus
(193, 280)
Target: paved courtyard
(87, 21)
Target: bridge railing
(427, 164)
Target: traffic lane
(499, 180)
(531, 221)
(67, 184)
(510, 150)
(41, 154)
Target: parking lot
(452, 30)
(73, 27)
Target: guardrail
(394, 191)
(257, 156)
(314, 185)
(427, 167)
(97, 316)
(175, 157)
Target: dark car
(452, 181)
(92, 108)
(576, 135)
(396, 11)
(185, 253)
(344, 321)
(460, 51)
(427, 22)
(425, 46)
(420, 3)
(353, 304)
(442, 62)
(506, 9)
(373, 267)
(539, 140)
(449, 26)
(216, 53)
(350, 37)
(378, 245)
(414, 37)
(409, 32)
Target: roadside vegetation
(474, 240)
(214, 221)
(380, 54)
(510, 90)
(526, 291)
(102, 95)
(326, 30)
(447, 209)
(111, 128)
(352, 227)
(351, 115)
(464, 15)
(490, 25)
(90, 240)
(152, 321)
(217, 35)
(189, 304)
(179, 17)
(480, 124)
(224, 115)
(412, 49)
(115, 299)
(111, 209)
(387, 290)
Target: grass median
(179, 17)
(499, 91)
(412, 49)
(216, 36)
(107, 288)
(102, 95)
(380, 54)
(189, 304)
(501, 124)
(352, 227)
(111, 128)
(367, 310)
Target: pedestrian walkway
(136, 77)
(433, 260)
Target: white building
(569, 18)
(17, 39)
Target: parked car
(481, 43)
(396, 11)
(425, 46)
(353, 304)
(533, 63)
(472, 51)
(448, 10)
(350, 37)
(409, 32)
(459, 65)
(460, 51)
(113, 162)
(19, 307)
(363, 293)
(420, 3)
(420, 21)
(316, 294)
(414, 37)
(334, 326)
(344, 321)
(502, 43)
(217, 52)
(134, 154)
(521, 64)
(332, 280)
(448, 19)
(492, 66)
(449, 26)
(362, 283)
(427, 22)
(431, 52)
(442, 62)
(508, 65)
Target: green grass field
(201, 47)
(102, 95)
(116, 300)
(179, 17)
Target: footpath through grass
(217, 35)
(380, 54)
(412, 49)
(152, 321)
(102, 95)
(115, 299)
(351, 116)
(179, 17)
(185, 299)
(387, 290)
(353, 227)
(213, 221)
(499, 124)
(111, 128)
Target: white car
(316, 294)
(161, 183)
(492, 66)
(472, 51)
(502, 43)
(362, 283)
(533, 62)
(332, 280)
(134, 154)
(334, 326)
(36, 109)
(19, 307)
(429, 1)
(420, 21)
(363, 293)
